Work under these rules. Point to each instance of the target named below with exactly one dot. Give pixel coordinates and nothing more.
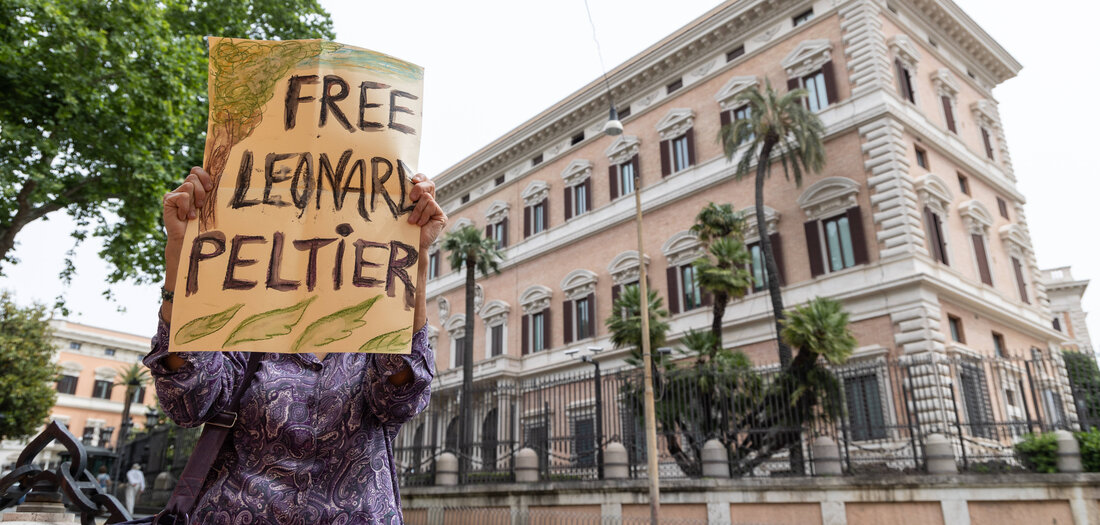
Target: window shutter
(613, 180)
(567, 313)
(933, 236)
(979, 255)
(525, 344)
(526, 221)
(591, 315)
(988, 143)
(546, 329)
(813, 248)
(616, 289)
(672, 273)
(691, 146)
(546, 213)
(504, 235)
(859, 241)
(666, 161)
(830, 82)
(488, 231)
(793, 84)
(777, 252)
(900, 70)
(588, 195)
(725, 118)
(1020, 283)
(568, 203)
(939, 239)
(948, 115)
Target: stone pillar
(41, 508)
(1069, 452)
(715, 460)
(527, 466)
(826, 457)
(615, 464)
(446, 470)
(939, 454)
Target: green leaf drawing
(388, 343)
(205, 325)
(268, 325)
(333, 327)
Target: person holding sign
(313, 437)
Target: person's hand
(183, 203)
(426, 213)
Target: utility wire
(599, 53)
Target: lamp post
(591, 359)
(152, 417)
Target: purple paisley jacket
(313, 444)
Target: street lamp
(590, 358)
(152, 417)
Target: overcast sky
(491, 65)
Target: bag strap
(214, 433)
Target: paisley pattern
(313, 442)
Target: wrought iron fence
(878, 413)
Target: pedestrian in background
(135, 485)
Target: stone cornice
(970, 37)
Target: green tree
(105, 109)
(780, 128)
(26, 358)
(468, 248)
(1084, 379)
(723, 270)
(625, 325)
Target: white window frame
(579, 284)
(978, 220)
(495, 313)
(534, 194)
(456, 329)
(945, 86)
(535, 299)
(576, 174)
(936, 194)
(904, 50)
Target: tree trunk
(720, 300)
(466, 426)
(769, 257)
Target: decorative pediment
(461, 223)
(904, 50)
(623, 149)
(578, 283)
(106, 373)
(977, 218)
(985, 113)
(535, 192)
(456, 325)
(809, 56)
(495, 312)
(727, 96)
(624, 267)
(675, 123)
(71, 368)
(577, 172)
(935, 193)
(498, 211)
(944, 83)
(828, 196)
(682, 248)
(1016, 239)
(771, 221)
(535, 298)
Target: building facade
(915, 224)
(1065, 295)
(89, 402)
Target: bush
(1090, 449)
(1039, 453)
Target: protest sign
(304, 243)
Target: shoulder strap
(214, 432)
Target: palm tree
(468, 248)
(723, 271)
(778, 128)
(625, 323)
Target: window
(905, 81)
(948, 113)
(935, 235)
(734, 53)
(499, 180)
(809, 66)
(539, 334)
(834, 233)
(102, 389)
(578, 199)
(922, 157)
(980, 256)
(674, 85)
(535, 329)
(73, 345)
(684, 292)
(538, 217)
(579, 321)
(108, 351)
(626, 177)
(803, 17)
(678, 154)
(1057, 324)
(864, 407)
(756, 262)
(433, 265)
(460, 351)
(680, 157)
(624, 112)
(584, 441)
(987, 142)
(465, 198)
(975, 394)
(496, 335)
(498, 232)
(537, 160)
(139, 395)
(622, 165)
(964, 184)
(814, 83)
(576, 139)
(66, 384)
(1021, 283)
(1002, 206)
(838, 243)
(956, 329)
(999, 344)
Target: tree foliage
(27, 372)
(105, 110)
